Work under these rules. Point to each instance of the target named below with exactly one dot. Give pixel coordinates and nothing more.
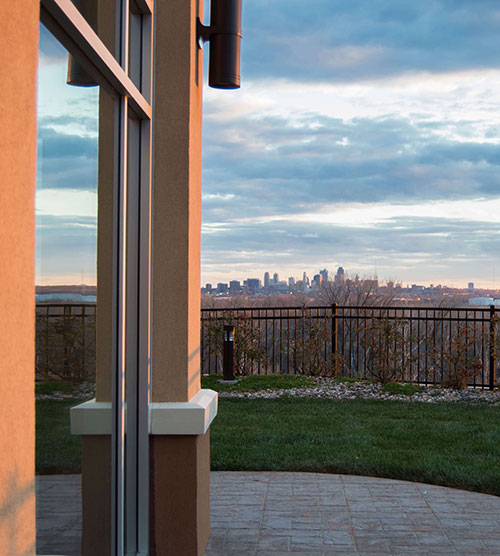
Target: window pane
(75, 182)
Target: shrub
(457, 359)
(385, 342)
(396, 388)
(309, 349)
(65, 348)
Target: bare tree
(357, 292)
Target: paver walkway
(274, 514)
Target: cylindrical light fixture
(77, 74)
(224, 35)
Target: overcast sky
(365, 135)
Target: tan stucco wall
(180, 497)
(96, 495)
(18, 66)
(177, 203)
(106, 177)
(104, 309)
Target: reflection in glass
(66, 291)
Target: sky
(66, 197)
(365, 135)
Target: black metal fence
(453, 346)
(65, 341)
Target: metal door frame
(131, 350)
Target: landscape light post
(228, 357)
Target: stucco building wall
(18, 70)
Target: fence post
(66, 367)
(334, 332)
(493, 327)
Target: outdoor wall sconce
(77, 74)
(224, 34)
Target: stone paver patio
(274, 514)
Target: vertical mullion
(119, 401)
(144, 293)
(118, 440)
(144, 336)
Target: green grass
(455, 445)
(257, 382)
(406, 389)
(57, 451)
(451, 444)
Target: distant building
(324, 275)
(470, 286)
(291, 282)
(253, 284)
(222, 288)
(483, 301)
(275, 278)
(316, 283)
(234, 286)
(267, 280)
(208, 287)
(340, 276)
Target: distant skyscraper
(339, 277)
(324, 274)
(305, 279)
(275, 278)
(253, 284)
(222, 288)
(234, 285)
(317, 281)
(470, 286)
(291, 282)
(208, 287)
(267, 280)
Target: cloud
(66, 247)
(66, 161)
(336, 40)
(421, 248)
(275, 165)
(50, 50)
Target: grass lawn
(57, 451)
(453, 444)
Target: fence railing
(454, 346)
(65, 341)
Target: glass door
(93, 276)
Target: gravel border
(337, 390)
(331, 389)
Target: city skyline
(331, 277)
(368, 137)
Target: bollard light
(228, 355)
(224, 34)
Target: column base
(179, 495)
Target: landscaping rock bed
(327, 388)
(338, 390)
(82, 391)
